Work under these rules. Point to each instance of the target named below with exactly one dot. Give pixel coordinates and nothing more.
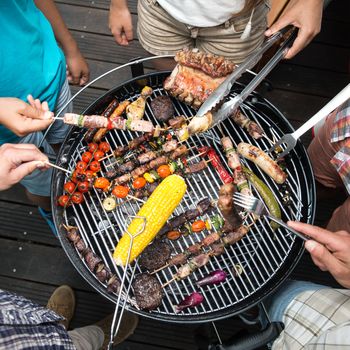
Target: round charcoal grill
(256, 265)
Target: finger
(45, 106)
(302, 40)
(324, 256)
(278, 25)
(332, 240)
(75, 78)
(30, 99)
(24, 146)
(34, 113)
(84, 78)
(31, 125)
(37, 103)
(129, 35)
(25, 169)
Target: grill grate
(263, 257)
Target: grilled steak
(148, 291)
(162, 108)
(155, 255)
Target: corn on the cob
(160, 205)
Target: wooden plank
(24, 223)
(38, 263)
(15, 194)
(103, 48)
(99, 4)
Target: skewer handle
(58, 167)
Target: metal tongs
(220, 93)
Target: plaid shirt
(340, 132)
(317, 320)
(25, 325)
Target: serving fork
(290, 140)
(256, 206)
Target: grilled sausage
(263, 161)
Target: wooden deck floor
(33, 263)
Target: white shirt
(202, 13)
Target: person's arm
(120, 22)
(78, 70)
(23, 118)
(330, 251)
(18, 161)
(303, 14)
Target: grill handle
(251, 341)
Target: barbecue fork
(290, 140)
(256, 206)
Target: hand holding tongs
(224, 89)
(291, 139)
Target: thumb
(34, 113)
(322, 256)
(25, 169)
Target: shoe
(127, 327)
(62, 301)
(47, 215)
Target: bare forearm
(119, 4)
(62, 34)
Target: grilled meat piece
(113, 285)
(194, 249)
(178, 259)
(80, 245)
(191, 214)
(148, 291)
(227, 208)
(102, 273)
(204, 205)
(177, 122)
(195, 168)
(126, 167)
(146, 157)
(235, 236)
(200, 260)
(92, 260)
(243, 121)
(180, 151)
(169, 146)
(162, 108)
(210, 239)
(155, 255)
(217, 249)
(214, 66)
(72, 233)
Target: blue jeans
(277, 303)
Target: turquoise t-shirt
(30, 60)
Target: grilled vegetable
(191, 300)
(98, 155)
(86, 157)
(93, 146)
(215, 277)
(148, 177)
(95, 166)
(109, 203)
(266, 194)
(81, 165)
(102, 183)
(77, 198)
(104, 147)
(63, 200)
(173, 235)
(120, 191)
(198, 226)
(156, 211)
(139, 183)
(69, 187)
(83, 186)
(164, 171)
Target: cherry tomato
(86, 157)
(139, 182)
(63, 200)
(198, 226)
(92, 147)
(69, 187)
(102, 183)
(104, 147)
(81, 166)
(89, 175)
(120, 191)
(164, 171)
(83, 186)
(98, 155)
(78, 176)
(77, 198)
(95, 166)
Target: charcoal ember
(113, 285)
(155, 255)
(162, 108)
(148, 291)
(92, 260)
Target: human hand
(23, 118)
(78, 72)
(330, 251)
(120, 23)
(303, 14)
(18, 161)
